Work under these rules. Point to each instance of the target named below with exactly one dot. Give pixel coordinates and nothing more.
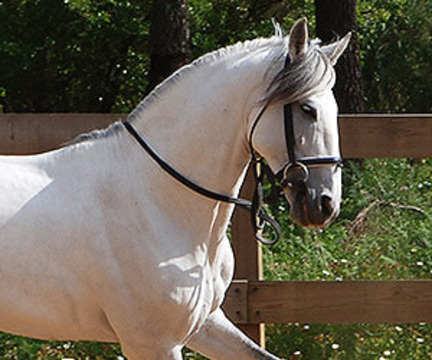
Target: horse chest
(183, 284)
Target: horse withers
(100, 242)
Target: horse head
(304, 148)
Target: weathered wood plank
(34, 133)
(392, 135)
(236, 302)
(405, 301)
(362, 136)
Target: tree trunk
(334, 18)
(169, 39)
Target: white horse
(98, 242)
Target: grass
(350, 342)
(390, 239)
(384, 232)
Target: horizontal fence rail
(331, 302)
(380, 136)
(362, 136)
(22, 134)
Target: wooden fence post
(248, 254)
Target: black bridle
(293, 172)
(297, 170)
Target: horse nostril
(327, 206)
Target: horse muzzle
(308, 207)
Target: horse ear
(335, 50)
(298, 39)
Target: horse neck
(199, 124)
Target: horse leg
(220, 339)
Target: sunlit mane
(98, 134)
(277, 41)
(310, 74)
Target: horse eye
(309, 110)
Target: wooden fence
(362, 136)
(251, 301)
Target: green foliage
(81, 55)
(392, 240)
(219, 23)
(2, 96)
(72, 56)
(395, 40)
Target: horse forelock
(309, 74)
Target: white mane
(312, 74)
(226, 52)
